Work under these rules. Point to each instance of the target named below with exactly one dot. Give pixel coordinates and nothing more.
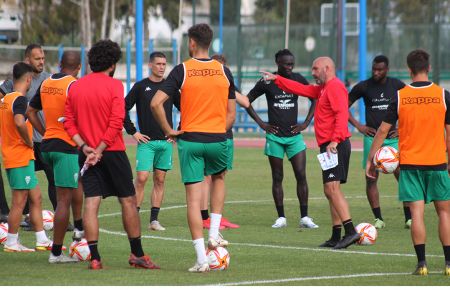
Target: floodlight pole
(139, 38)
(220, 26)
(287, 23)
(362, 61)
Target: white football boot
(280, 222)
(307, 222)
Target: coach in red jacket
(332, 135)
(94, 114)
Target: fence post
(174, 52)
(128, 59)
(83, 60)
(151, 48)
(60, 52)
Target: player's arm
(300, 127)
(447, 126)
(6, 87)
(242, 100)
(293, 87)
(130, 102)
(19, 109)
(32, 112)
(258, 90)
(355, 94)
(157, 107)
(231, 113)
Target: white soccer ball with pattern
(3, 232)
(218, 259)
(47, 219)
(368, 234)
(386, 159)
(80, 250)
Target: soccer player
(154, 149)
(35, 57)
(377, 92)
(208, 110)
(59, 150)
(332, 135)
(206, 186)
(95, 110)
(18, 160)
(283, 136)
(421, 110)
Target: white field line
(242, 283)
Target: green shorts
(200, 159)
(230, 147)
(427, 185)
(156, 154)
(22, 177)
(368, 143)
(277, 146)
(65, 168)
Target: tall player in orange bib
(421, 109)
(58, 149)
(18, 159)
(208, 110)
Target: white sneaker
(280, 222)
(77, 235)
(45, 246)
(197, 268)
(156, 226)
(220, 242)
(18, 247)
(61, 259)
(307, 222)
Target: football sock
(214, 226)
(199, 245)
(420, 252)
(41, 237)
(154, 214)
(12, 239)
(56, 250)
(136, 247)
(336, 233)
(78, 224)
(447, 254)
(407, 213)
(205, 214)
(280, 210)
(377, 213)
(94, 251)
(348, 227)
(303, 210)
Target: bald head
(323, 70)
(70, 63)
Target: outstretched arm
(293, 87)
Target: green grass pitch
(260, 255)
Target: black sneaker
(26, 224)
(70, 227)
(3, 218)
(329, 244)
(347, 240)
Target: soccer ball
(3, 232)
(218, 259)
(80, 250)
(368, 234)
(47, 219)
(386, 159)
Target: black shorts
(112, 176)
(39, 163)
(340, 172)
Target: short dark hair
(202, 34)
(282, 52)
(381, 58)
(220, 58)
(70, 59)
(156, 54)
(30, 48)
(103, 54)
(418, 61)
(20, 69)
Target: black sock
(280, 210)
(136, 247)
(303, 210)
(154, 214)
(56, 250)
(349, 227)
(205, 214)
(407, 213)
(94, 251)
(447, 254)
(420, 252)
(78, 224)
(138, 208)
(336, 233)
(377, 213)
